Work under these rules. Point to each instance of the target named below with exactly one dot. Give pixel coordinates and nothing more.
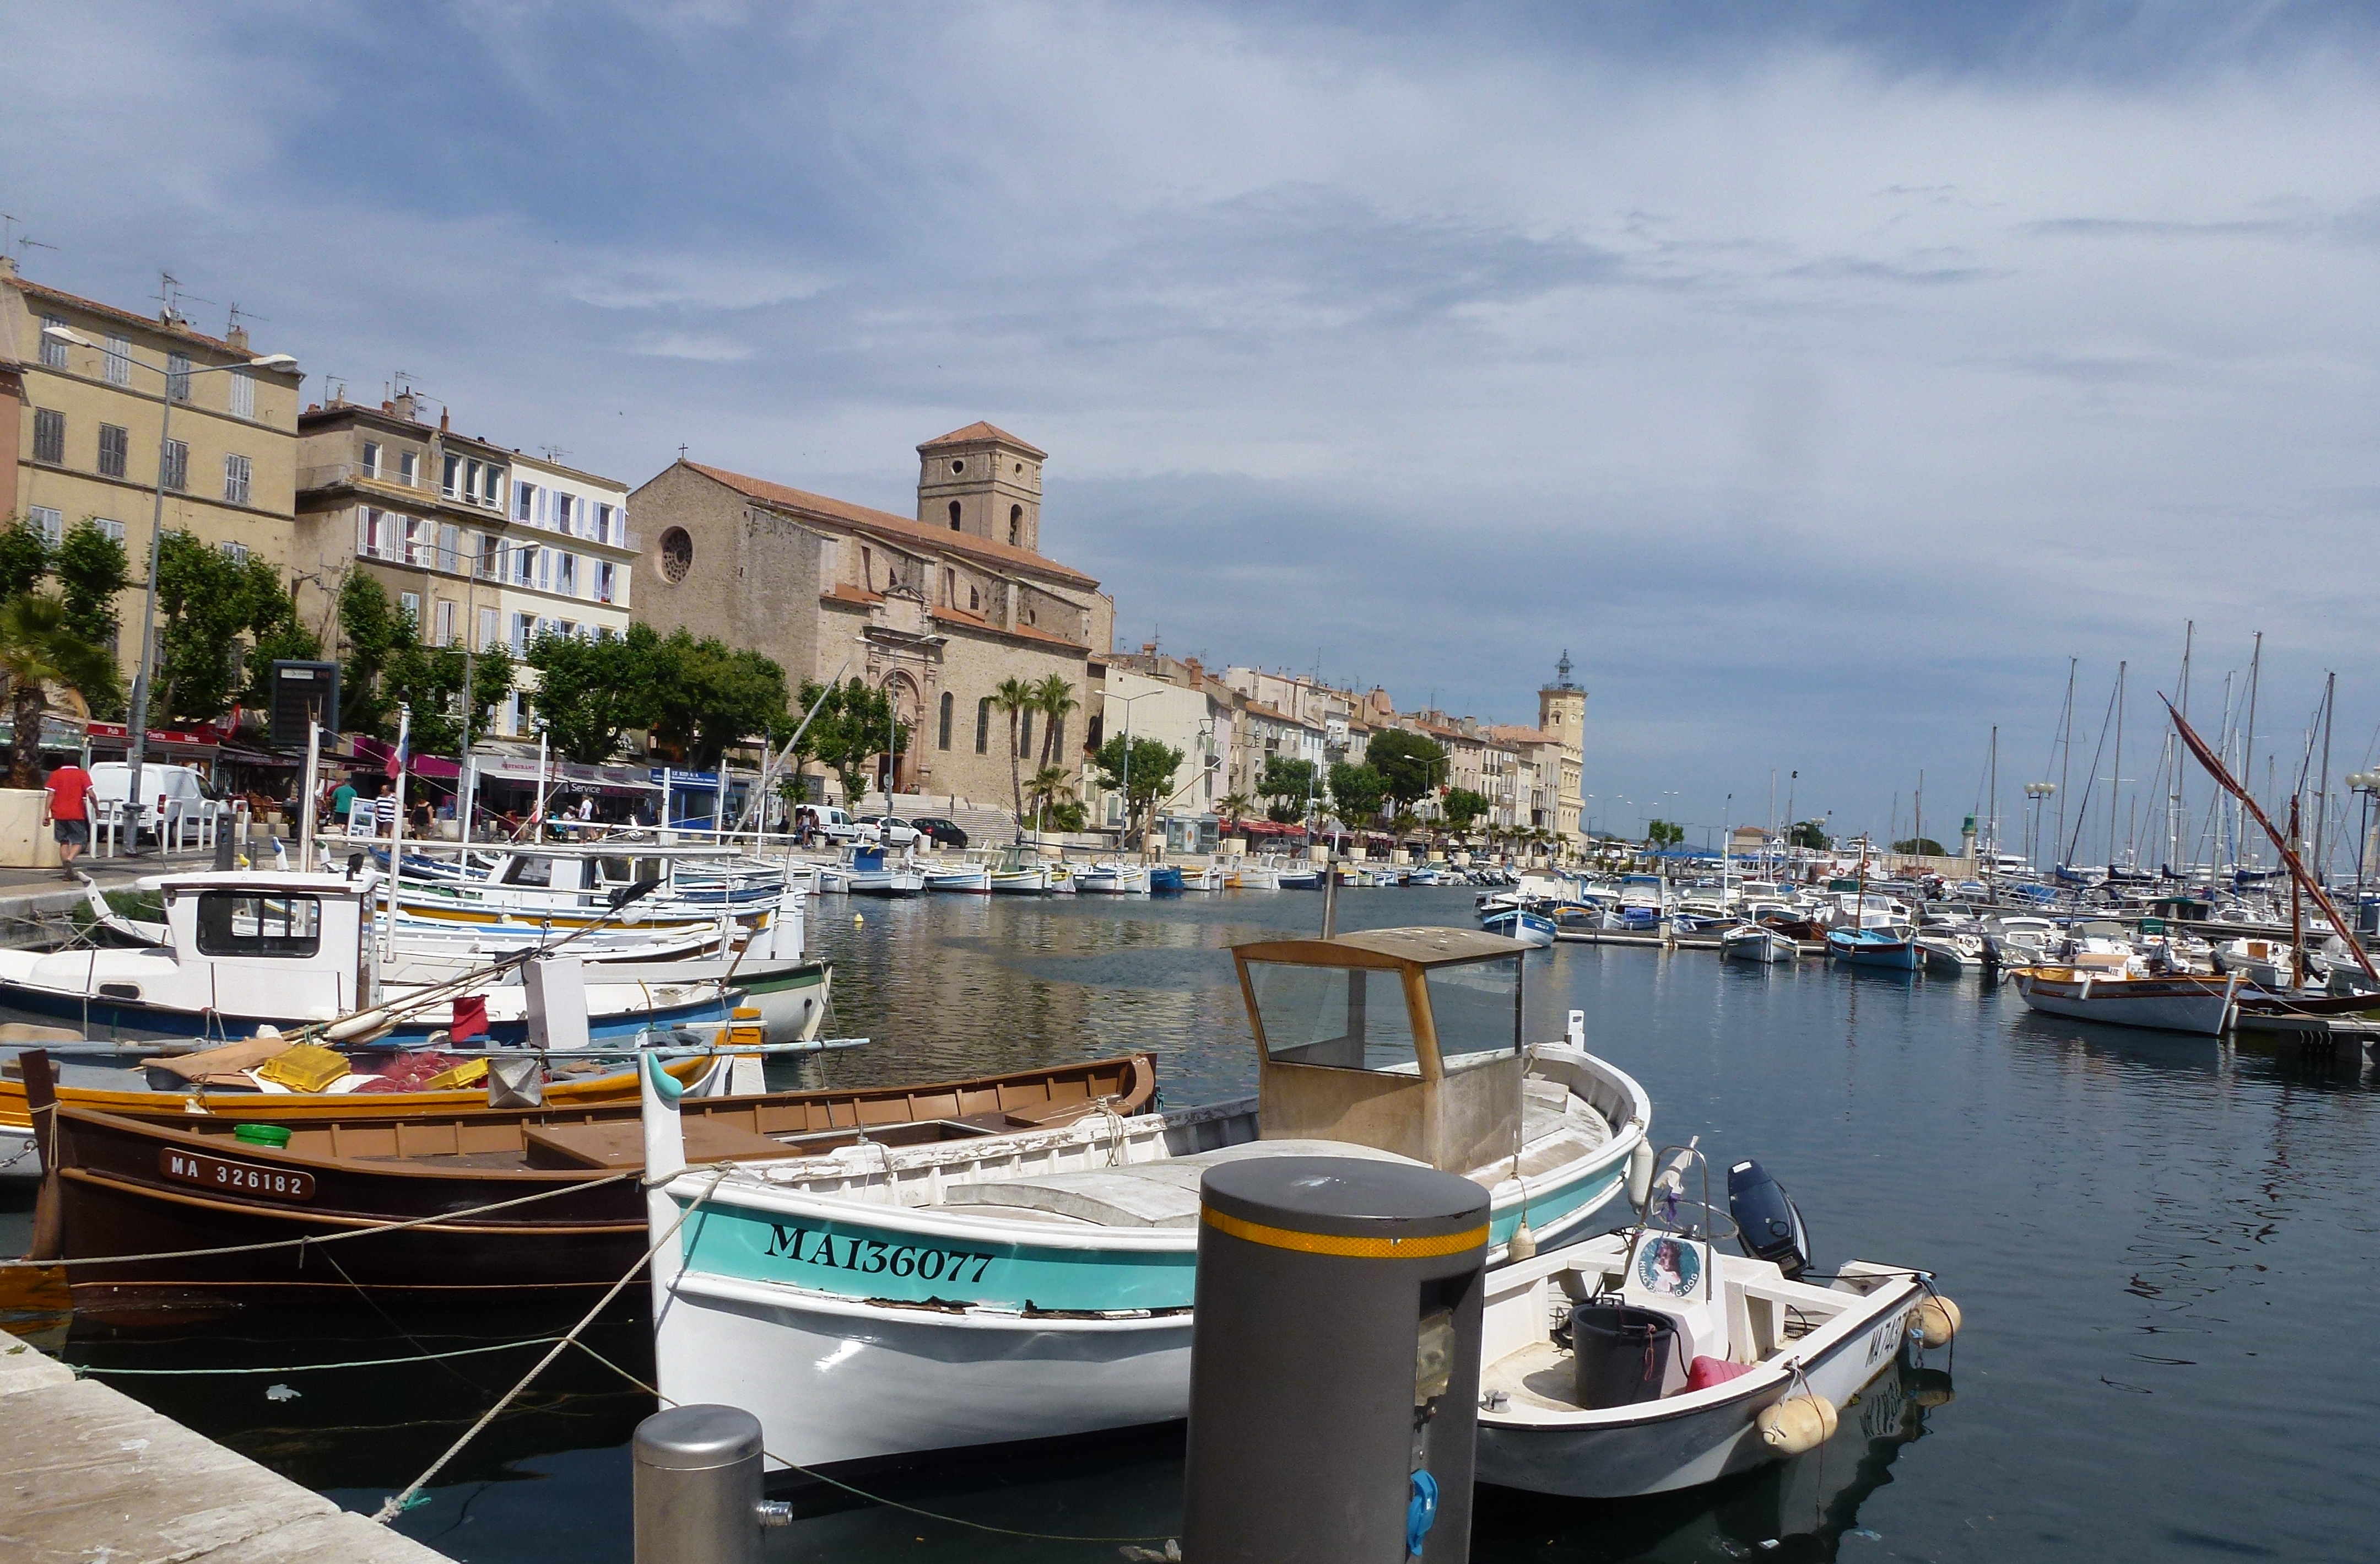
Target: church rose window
(677, 554)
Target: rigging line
(311, 1368)
(2082, 816)
(864, 1494)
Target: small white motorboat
(1951, 953)
(964, 878)
(1112, 879)
(1752, 942)
(1668, 1364)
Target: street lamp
(1126, 701)
(2036, 792)
(2366, 783)
(137, 747)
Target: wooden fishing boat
(127, 1183)
(2200, 1004)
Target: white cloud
(1834, 389)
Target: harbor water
(2165, 1249)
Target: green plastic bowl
(273, 1135)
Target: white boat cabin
(1404, 1040)
(236, 944)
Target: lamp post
(1126, 702)
(2366, 783)
(2036, 792)
(137, 744)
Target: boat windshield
(1342, 1018)
(1476, 1009)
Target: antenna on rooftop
(238, 315)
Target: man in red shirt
(69, 810)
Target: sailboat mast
(2066, 755)
(2179, 812)
(2322, 797)
(1992, 820)
(2115, 774)
(2248, 754)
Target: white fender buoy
(1640, 1173)
(1933, 1321)
(1522, 1243)
(856, 920)
(1797, 1424)
(360, 1024)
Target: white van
(164, 786)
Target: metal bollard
(698, 1487)
(1334, 1364)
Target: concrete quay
(88, 1472)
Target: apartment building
(97, 401)
(481, 544)
(1178, 704)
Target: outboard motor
(1768, 1221)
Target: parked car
(838, 826)
(940, 832)
(887, 830)
(163, 786)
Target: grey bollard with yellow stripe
(1334, 1363)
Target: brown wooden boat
(124, 1183)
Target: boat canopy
(1403, 1040)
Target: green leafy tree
(24, 559)
(370, 633)
(1236, 807)
(593, 691)
(275, 632)
(1049, 792)
(429, 680)
(1288, 784)
(39, 649)
(849, 732)
(1149, 777)
(1358, 791)
(1404, 824)
(708, 697)
(1664, 833)
(1015, 697)
(1925, 846)
(1409, 764)
(207, 604)
(92, 570)
(1810, 834)
(1461, 806)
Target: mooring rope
(397, 1502)
(365, 1231)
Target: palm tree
(1049, 788)
(38, 649)
(1055, 698)
(1015, 697)
(1235, 806)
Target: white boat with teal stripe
(894, 1299)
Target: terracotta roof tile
(1023, 632)
(1511, 733)
(129, 317)
(978, 431)
(844, 592)
(898, 528)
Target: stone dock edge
(87, 1472)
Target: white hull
(838, 1380)
(2159, 1005)
(1765, 947)
(1542, 1443)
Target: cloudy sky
(1822, 385)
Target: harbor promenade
(92, 1473)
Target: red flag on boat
(470, 1018)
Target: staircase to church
(985, 828)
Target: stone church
(937, 610)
